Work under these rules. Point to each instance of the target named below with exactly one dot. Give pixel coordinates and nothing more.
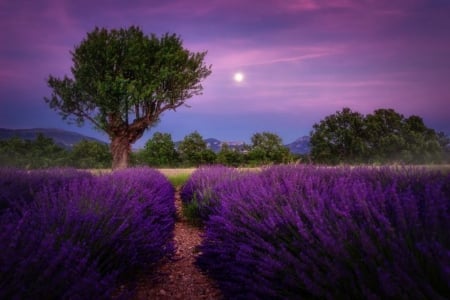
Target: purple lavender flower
(315, 232)
(88, 233)
(198, 194)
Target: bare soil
(180, 278)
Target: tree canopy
(123, 80)
(266, 148)
(160, 150)
(384, 136)
(194, 151)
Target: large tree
(123, 80)
(338, 138)
(382, 137)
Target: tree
(421, 143)
(122, 81)
(268, 147)
(338, 138)
(444, 142)
(384, 135)
(229, 156)
(90, 154)
(194, 151)
(160, 150)
(14, 152)
(45, 153)
(381, 137)
(31, 154)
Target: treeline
(44, 153)
(159, 151)
(346, 137)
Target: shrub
(83, 238)
(334, 233)
(18, 187)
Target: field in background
(171, 172)
(175, 171)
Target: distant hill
(301, 145)
(63, 138)
(215, 144)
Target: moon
(238, 77)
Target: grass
(178, 180)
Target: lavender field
(67, 234)
(304, 232)
(282, 232)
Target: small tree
(44, 153)
(194, 151)
(122, 81)
(160, 150)
(229, 156)
(14, 152)
(32, 154)
(90, 154)
(268, 147)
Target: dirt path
(180, 278)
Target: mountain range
(67, 139)
(64, 138)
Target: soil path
(180, 278)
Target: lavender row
(83, 237)
(18, 187)
(198, 193)
(292, 232)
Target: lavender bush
(18, 187)
(295, 232)
(83, 238)
(197, 194)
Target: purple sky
(302, 60)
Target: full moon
(238, 77)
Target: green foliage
(228, 156)
(191, 211)
(123, 75)
(160, 151)
(39, 153)
(338, 138)
(90, 155)
(382, 137)
(444, 142)
(193, 150)
(13, 152)
(178, 180)
(268, 148)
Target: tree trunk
(120, 150)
